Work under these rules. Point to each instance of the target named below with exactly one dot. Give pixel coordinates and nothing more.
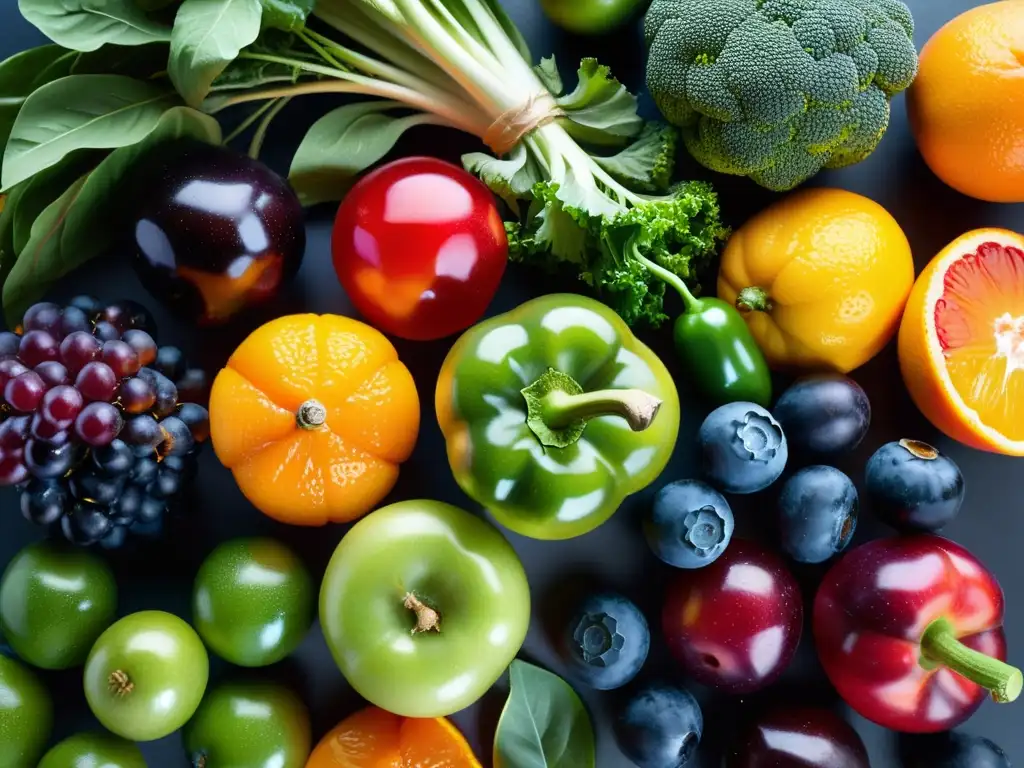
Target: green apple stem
(199, 761)
(120, 684)
(427, 619)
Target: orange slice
(961, 343)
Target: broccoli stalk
(582, 182)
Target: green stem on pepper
(941, 647)
(691, 302)
(754, 299)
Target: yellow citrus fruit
(967, 104)
(962, 341)
(823, 276)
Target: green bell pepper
(553, 414)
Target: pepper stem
(558, 409)
(427, 619)
(754, 299)
(940, 646)
(311, 415)
(691, 302)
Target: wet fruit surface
(606, 641)
(660, 726)
(797, 738)
(216, 232)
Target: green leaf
(600, 110)
(85, 25)
(510, 178)
(17, 76)
(82, 223)
(7, 253)
(58, 68)
(647, 164)
(549, 75)
(544, 723)
(36, 193)
(139, 61)
(208, 35)
(342, 144)
(81, 112)
(155, 5)
(289, 15)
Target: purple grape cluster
(99, 427)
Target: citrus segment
(264, 421)
(367, 739)
(435, 743)
(354, 481)
(376, 417)
(281, 358)
(352, 353)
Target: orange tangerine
(961, 342)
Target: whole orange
(313, 414)
(967, 104)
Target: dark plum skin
(215, 232)
(606, 641)
(660, 726)
(689, 525)
(824, 415)
(781, 739)
(817, 514)
(913, 487)
(951, 750)
(743, 448)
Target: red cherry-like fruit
(798, 737)
(735, 624)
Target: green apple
(26, 715)
(94, 750)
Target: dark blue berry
(144, 471)
(817, 514)
(96, 488)
(87, 304)
(170, 362)
(823, 415)
(178, 439)
(43, 502)
(690, 524)
(142, 432)
(166, 484)
(85, 524)
(743, 448)
(113, 459)
(913, 487)
(116, 538)
(47, 461)
(606, 641)
(151, 510)
(197, 419)
(660, 727)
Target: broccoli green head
(779, 89)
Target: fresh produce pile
(118, 142)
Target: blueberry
(690, 524)
(824, 415)
(660, 727)
(743, 448)
(951, 750)
(913, 487)
(817, 514)
(606, 642)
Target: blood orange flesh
(979, 323)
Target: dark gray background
(991, 524)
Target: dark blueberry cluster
(99, 427)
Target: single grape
(116, 538)
(74, 320)
(9, 343)
(8, 370)
(53, 373)
(197, 419)
(127, 314)
(37, 347)
(42, 317)
(105, 331)
(85, 524)
(25, 392)
(12, 470)
(178, 438)
(151, 510)
(114, 459)
(61, 406)
(125, 511)
(136, 395)
(43, 501)
(47, 461)
(166, 393)
(97, 381)
(14, 432)
(87, 304)
(166, 484)
(78, 350)
(121, 358)
(44, 429)
(142, 343)
(142, 431)
(95, 488)
(144, 471)
(194, 387)
(98, 424)
(170, 361)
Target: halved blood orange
(961, 343)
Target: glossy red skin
(735, 624)
(798, 738)
(420, 248)
(871, 611)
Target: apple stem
(199, 761)
(941, 646)
(311, 415)
(427, 619)
(120, 684)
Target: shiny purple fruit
(798, 737)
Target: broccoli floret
(779, 89)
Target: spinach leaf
(343, 143)
(288, 15)
(16, 82)
(544, 723)
(81, 224)
(81, 112)
(42, 189)
(208, 35)
(140, 61)
(7, 252)
(85, 25)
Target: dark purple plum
(951, 750)
(913, 487)
(660, 726)
(743, 448)
(817, 514)
(797, 737)
(216, 231)
(824, 415)
(606, 641)
(690, 524)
